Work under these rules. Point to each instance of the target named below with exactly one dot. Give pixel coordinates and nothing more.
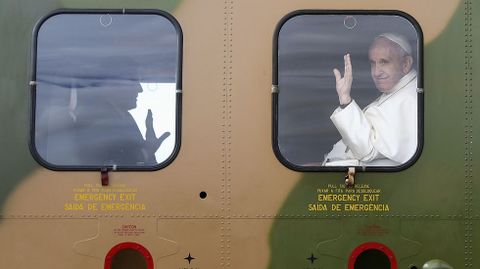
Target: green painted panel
(17, 19)
(474, 36)
(332, 242)
(441, 239)
(413, 242)
(430, 193)
(293, 248)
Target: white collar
(402, 83)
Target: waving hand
(344, 85)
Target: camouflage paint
(424, 199)
(16, 31)
(259, 183)
(16, 161)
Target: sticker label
(94, 197)
(373, 230)
(128, 230)
(339, 198)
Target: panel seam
(225, 221)
(468, 225)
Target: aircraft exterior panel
(257, 213)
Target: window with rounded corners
(347, 90)
(106, 90)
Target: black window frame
(420, 94)
(178, 93)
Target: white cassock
(383, 134)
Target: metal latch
(350, 177)
(104, 176)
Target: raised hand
(153, 143)
(344, 85)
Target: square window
(106, 91)
(347, 91)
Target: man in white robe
(385, 132)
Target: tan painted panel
(201, 238)
(45, 243)
(75, 243)
(432, 22)
(259, 183)
(116, 230)
(200, 162)
(175, 189)
(226, 151)
(248, 240)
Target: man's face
(388, 64)
(123, 94)
(129, 91)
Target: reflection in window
(347, 91)
(106, 92)
(160, 99)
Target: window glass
(347, 91)
(105, 91)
